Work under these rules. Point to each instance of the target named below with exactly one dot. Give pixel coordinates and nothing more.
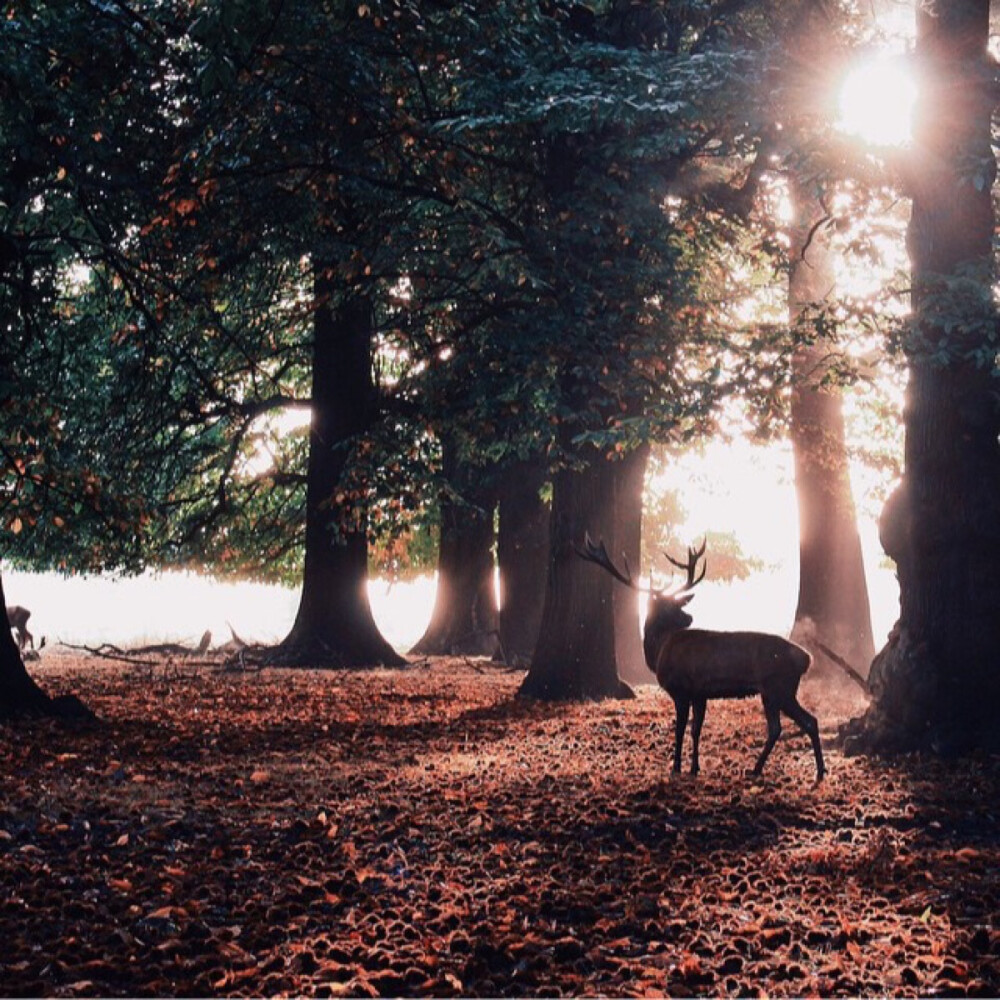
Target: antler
(690, 567)
(599, 554)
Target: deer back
(704, 664)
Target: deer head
(665, 609)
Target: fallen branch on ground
(107, 651)
(844, 665)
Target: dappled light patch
(422, 832)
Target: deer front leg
(683, 706)
(696, 723)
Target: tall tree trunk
(522, 557)
(631, 481)
(833, 606)
(19, 694)
(465, 617)
(575, 654)
(936, 684)
(334, 624)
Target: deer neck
(654, 636)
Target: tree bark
(936, 684)
(464, 620)
(334, 626)
(833, 606)
(575, 654)
(20, 696)
(522, 556)
(631, 481)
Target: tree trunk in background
(631, 481)
(465, 617)
(19, 694)
(334, 624)
(936, 684)
(575, 654)
(523, 558)
(833, 606)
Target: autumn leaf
(185, 206)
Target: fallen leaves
(422, 833)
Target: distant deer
(696, 665)
(17, 619)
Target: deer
(695, 666)
(17, 619)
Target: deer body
(697, 663)
(17, 619)
(695, 666)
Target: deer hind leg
(683, 706)
(773, 715)
(697, 720)
(806, 721)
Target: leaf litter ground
(421, 832)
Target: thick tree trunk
(833, 606)
(575, 654)
(936, 684)
(334, 624)
(523, 557)
(631, 481)
(465, 617)
(19, 695)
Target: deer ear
(681, 601)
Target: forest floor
(420, 832)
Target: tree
(20, 695)
(575, 653)
(522, 557)
(613, 279)
(464, 619)
(935, 684)
(832, 605)
(334, 623)
(282, 272)
(588, 288)
(82, 134)
(627, 537)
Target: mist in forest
(180, 606)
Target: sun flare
(876, 102)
